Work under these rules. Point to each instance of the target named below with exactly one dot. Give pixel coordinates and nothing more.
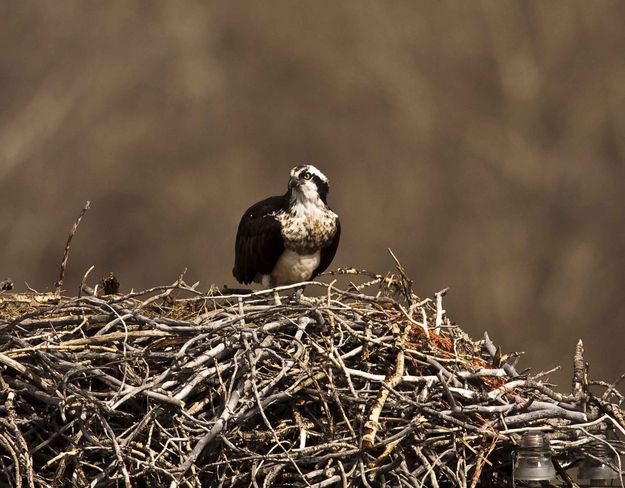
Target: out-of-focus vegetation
(483, 141)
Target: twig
(59, 284)
(440, 311)
(372, 423)
(580, 379)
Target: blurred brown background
(482, 141)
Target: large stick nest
(363, 387)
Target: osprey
(290, 238)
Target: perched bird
(290, 238)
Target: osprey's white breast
(293, 268)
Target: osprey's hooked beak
(294, 182)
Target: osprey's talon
(299, 293)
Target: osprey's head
(308, 184)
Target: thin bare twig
(59, 284)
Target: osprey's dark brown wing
(328, 252)
(259, 240)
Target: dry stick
(580, 380)
(616, 413)
(59, 283)
(611, 388)
(214, 432)
(406, 283)
(149, 393)
(440, 311)
(118, 452)
(21, 442)
(423, 324)
(372, 425)
(450, 398)
(492, 350)
(252, 365)
(220, 424)
(26, 373)
(18, 441)
(429, 468)
(8, 444)
(563, 474)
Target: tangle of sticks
(367, 386)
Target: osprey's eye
(306, 175)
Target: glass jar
(533, 465)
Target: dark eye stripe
(322, 187)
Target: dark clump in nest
(359, 387)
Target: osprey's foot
(303, 299)
(299, 293)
